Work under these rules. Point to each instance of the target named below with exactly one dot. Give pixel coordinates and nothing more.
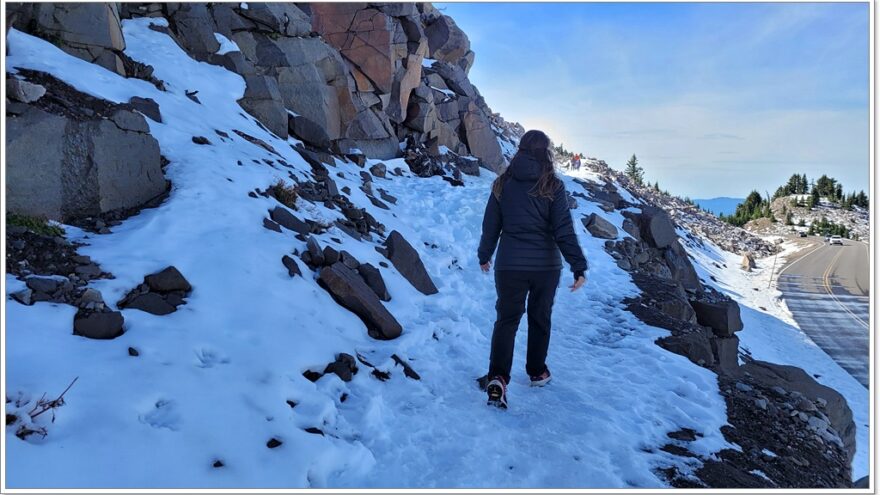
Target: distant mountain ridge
(721, 205)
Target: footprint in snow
(207, 357)
(163, 415)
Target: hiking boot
(497, 390)
(542, 379)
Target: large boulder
(720, 315)
(481, 139)
(793, 379)
(90, 31)
(373, 277)
(446, 41)
(193, 28)
(277, 17)
(726, 351)
(262, 99)
(691, 342)
(351, 292)
(599, 227)
(100, 157)
(681, 267)
(656, 227)
(407, 261)
(748, 262)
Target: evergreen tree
(634, 171)
(814, 197)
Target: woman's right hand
(578, 283)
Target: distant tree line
(753, 208)
(826, 227)
(823, 187)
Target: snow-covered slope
(215, 380)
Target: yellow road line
(826, 282)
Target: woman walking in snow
(528, 210)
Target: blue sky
(715, 99)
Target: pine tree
(657, 186)
(634, 171)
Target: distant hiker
(528, 210)
(577, 161)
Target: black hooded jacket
(533, 229)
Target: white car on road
(835, 239)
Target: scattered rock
(373, 278)
(407, 261)
(599, 227)
(200, 140)
(98, 325)
(407, 369)
(286, 219)
(722, 316)
(133, 352)
(351, 292)
(269, 224)
(344, 367)
(290, 264)
(274, 443)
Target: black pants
(512, 288)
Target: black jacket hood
(524, 167)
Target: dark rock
(290, 264)
(98, 325)
(330, 255)
(24, 296)
(656, 227)
(407, 261)
(344, 367)
(407, 369)
(314, 431)
(373, 278)
(44, 285)
(133, 352)
(218, 464)
(152, 303)
(315, 252)
(167, 280)
(312, 376)
(286, 219)
(351, 292)
(146, 106)
(680, 266)
(269, 224)
(722, 316)
(274, 443)
(599, 227)
(379, 170)
(691, 342)
(377, 203)
(200, 140)
(726, 351)
(348, 260)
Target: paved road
(826, 288)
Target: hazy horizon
(715, 99)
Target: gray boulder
(146, 106)
(351, 292)
(89, 167)
(691, 342)
(98, 325)
(748, 262)
(599, 227)
(407, 261)
(194, 29)
(722, 316)
(152, 303)
(656, 227)
(291, 265)
(284, 18)
(308, 131)
(726, 351)
(90, 31)
(287, 220)
(167, 280)
(681, 267)
(262, 99)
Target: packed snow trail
(213, 379)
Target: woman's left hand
(486, 266)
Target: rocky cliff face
(341, 77)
